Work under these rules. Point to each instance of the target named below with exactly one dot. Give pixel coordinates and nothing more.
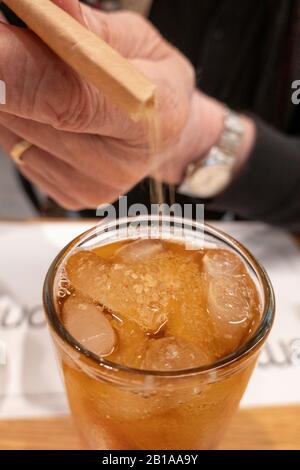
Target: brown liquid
(160, 307)
(197, 306)
(155, 305)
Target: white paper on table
(29, 380)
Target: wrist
(202, 131)
(205, 129)
(247, 143)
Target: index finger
(41, 87)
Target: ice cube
(145, 291)
(88, 324)
(88, 273)
(230, 305)
(189, 319)
(222, 263)
(173, 354)
(131, 343)
(139, 249)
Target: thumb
(129, 33)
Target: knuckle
(191, 72)
(101, 196)
(175, 113)
(78, 111)
(84, 194)
(69, 204)
(187, 68)
(135, 18)
(93, 200)
(68, 196)
(105, 29)
(64, 99)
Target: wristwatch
(211, 175)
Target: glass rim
(244, 351)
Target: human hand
(202, 131)
(85, 151)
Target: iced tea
(154, 323)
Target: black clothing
(247, 55)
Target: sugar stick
(89, 55)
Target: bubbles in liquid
(146, 291)
(222, 263)
(139, 249)
(87, 272)
(166, 310)
(173, 354)
(89, 326)
(190, 320)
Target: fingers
(136, 38)
(42, 88)
(39, 86)
(72, 7)
(67, 186)
(101, 160)
(69, 189)
(194, 140)
(173, 100)
(46, 187)
(7, 142)
(86, 192)
(2, 18)
(129, 33)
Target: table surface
(272, 428)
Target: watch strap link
(210, 175)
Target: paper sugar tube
(91, 57)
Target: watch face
(210, 180)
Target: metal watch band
(209, 176)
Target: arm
(85, 152)
(266, 180)
(268, 185)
